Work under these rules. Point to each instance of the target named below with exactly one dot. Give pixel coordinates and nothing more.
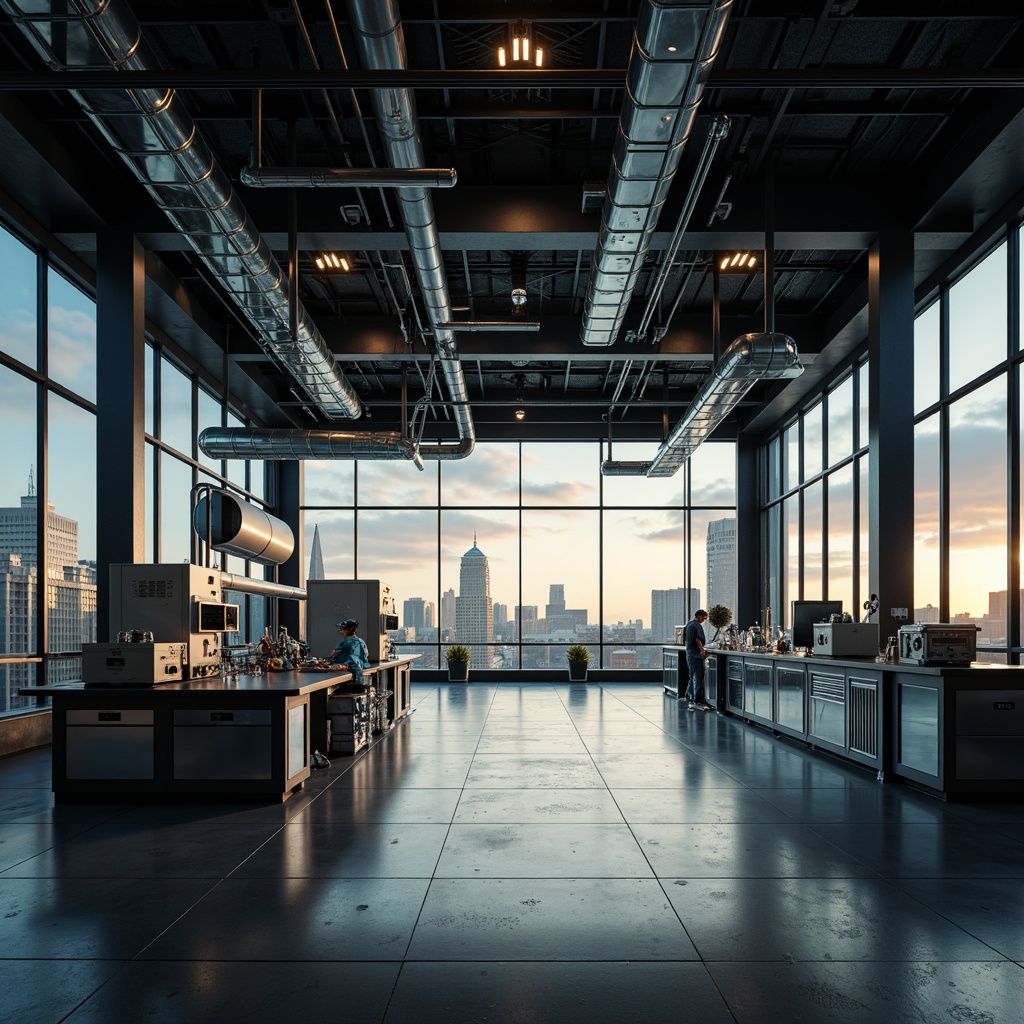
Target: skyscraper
(316, 558)
(448, 615)
(414, 613)
(671, 608)
(69, 600)
(721, 554)
(474, 611)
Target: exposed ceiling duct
(674, 46)
(748, 360)
(157, 138)
(378, 33)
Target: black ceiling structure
(847, 119)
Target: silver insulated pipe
(674, 46)
(749, 359)
(156, 137)
(378, 33)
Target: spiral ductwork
(674, 46)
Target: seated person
(351, 652)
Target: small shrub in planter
(457, 657)
(578, 657)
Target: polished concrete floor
(521, 853)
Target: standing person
(695, 655)
(351, 652)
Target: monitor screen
(806, 614)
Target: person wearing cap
(351, 652)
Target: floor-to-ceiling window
(966, 428)
(814, 501)
(524, 548)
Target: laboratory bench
(250, 735)
(953, 729)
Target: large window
(522, 549)
(814, 502)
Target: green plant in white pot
(578, 657)
(457, 657)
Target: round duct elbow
(238, 528)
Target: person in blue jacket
(351, 652)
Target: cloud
(71, 348)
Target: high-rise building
(500, 618)
(671, 608)
(526, 620)
(316, 558)
(414, 613)
(70, 599)
(474, 611)
(429, 614)
(448, 613)
(721, 556)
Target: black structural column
(289, 508)
(120, 411)
(750, 600)
(891, 425)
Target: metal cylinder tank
(238, 528)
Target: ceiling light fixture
(519, 380)
(518, 54)
(331, 261)
(738, 263)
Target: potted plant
(578, 657)
(719, 616)
(457, 657)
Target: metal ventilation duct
(749, 359)
(674, 46)
(156, 137)
(378, 34)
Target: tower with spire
(474, 610)
(316, 558)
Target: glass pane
(175, 408)
(863, 438)
(258, 478)
(840, 422)
(150, 361)
(926, 358)
(774, 569)
(791, 545)
(396, 483)
(812, 542)
(927, 554)
(713, 474)
(812, 442)
(334, 531)
(209, 416)
(560, 577)
(18, 300)
(865, 531)
(791, 443)
(490, 476)
(71, 336)
(712, 561)
(977, 510)
(151, 553)
(479, 568)
(329, 482)
(774, 469)
(840, 539)
(657, 492)
(175, 519)
(646, 546)
(560, 474)
(18, 547)
(235, 468)
(71, 535)
(977, 320)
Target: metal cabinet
(711, 694)
(735, 686)
(790, 699)
(757, 689)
